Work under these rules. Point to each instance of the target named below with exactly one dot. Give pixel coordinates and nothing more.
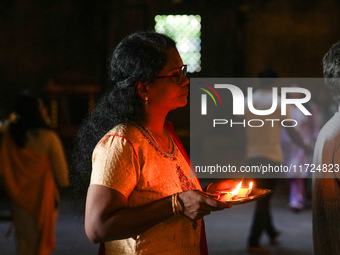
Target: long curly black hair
(137, 58)
(331, 71)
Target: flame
(251, 185)
(237, 189)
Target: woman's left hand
(222, 185)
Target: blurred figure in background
(32, 167)
(326, 183)
(295, 155)
(263, 148)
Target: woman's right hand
(194, 204)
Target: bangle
(206, 189)
(174, 203)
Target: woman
(295, 155)
(141, 199)
(32, 165)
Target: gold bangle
(174, 203)
(173, 197)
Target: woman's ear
(142, 89)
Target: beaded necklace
(170, 144)
(147, 134)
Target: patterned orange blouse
(128, 159)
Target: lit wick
(237, 192)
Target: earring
(146, 103)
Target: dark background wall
(70, 40)
(293, 36)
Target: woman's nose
(185, 81)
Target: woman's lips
(185, 93)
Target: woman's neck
(156, 124)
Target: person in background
(326, 182)
(142, 198)
(263, 148)
(308, 129)
(32, 168)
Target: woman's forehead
(174, 60)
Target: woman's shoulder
(45, 134)
(129, 131)
(125, 132)
(123, 137)
(42, 140)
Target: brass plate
(254, 195)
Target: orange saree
(28, 179)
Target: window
(185, 30)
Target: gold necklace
(169, 147)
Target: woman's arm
(107, 216)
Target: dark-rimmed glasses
(179, 76)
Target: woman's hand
(194, 204)
(222, 185)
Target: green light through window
(185, 30)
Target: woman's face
(164, 93)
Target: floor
(227, 230)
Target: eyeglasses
(179, 76)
